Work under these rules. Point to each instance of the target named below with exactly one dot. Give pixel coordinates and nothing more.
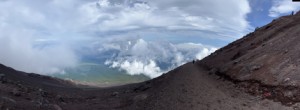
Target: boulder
(2, 78)
(255, 67)
(54, 107)
(16, 92)
(2, 75)
(115, 94)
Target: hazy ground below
(99, 75)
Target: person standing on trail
(193, 61)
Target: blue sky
(260, 12)
(56, 34)
(264, 11)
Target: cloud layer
(42, 36)
(171, 15)
(20, 51)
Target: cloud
(137, 56)
(42, 36)
(170, 15)
(26, 42)
(20, 51)
(135, 67)
(124, 16)
(280, 7)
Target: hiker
(292, 13)
(193, 61)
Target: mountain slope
(270, 55)
(190, 87)
(187, 87)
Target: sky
(138, 36)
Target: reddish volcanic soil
(257, 72)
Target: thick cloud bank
(20, 51)
(41, 35)
(137, 56)
(283, 7)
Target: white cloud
(20, 51)
(26, 45)
(280, 7)
(135, 67)
(112, 16)
(225, 18)
(151, 58)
